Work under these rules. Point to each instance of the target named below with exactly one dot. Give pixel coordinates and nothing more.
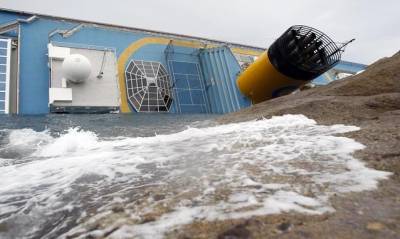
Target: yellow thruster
(262, 81)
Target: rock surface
(370, 100)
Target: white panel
(6, 101)
(60, 94)
(6, 109)
(95, 91)
(58, 52)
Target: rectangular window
(5, 48)
(3, 44)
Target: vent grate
(148, 86)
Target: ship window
(4, 74)
(148, 85)
(3, 60)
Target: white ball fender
(76, 68)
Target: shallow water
(142, 176)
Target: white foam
(228, 171)
(28, 138)
(74, 140)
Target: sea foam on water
(66, 183)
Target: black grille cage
(304, 53)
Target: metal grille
(148, 86)
(309, 49)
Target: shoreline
(371, 101)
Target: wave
(77, 179)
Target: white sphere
(76, 68)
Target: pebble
(375, 226)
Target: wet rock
(237, 232)
(303, 234)
(159, 197)
(110, 231)
(148, 218)
(284, 227)
(94, 235)
(118, 209)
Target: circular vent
(304, 52)
(148, 86)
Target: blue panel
(184, 68)
(2, 105)
(321, 80)
(197, 96)
(342, 66)
(188, 87)
(195, 84)
(2, 77)
(3, 52)
(212, 94)
(2, 95)
(181, 82)
(3, 60)
(195, 77)
(3, 44)
(349, 67)
(2, 86)
(7, 17)
(184, 97)
(220, 69)
(192, 109)
(3, 68)
(223, 78)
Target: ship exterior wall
(34, 75)
(203, 73)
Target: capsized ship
(50, 64)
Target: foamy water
(79, 184)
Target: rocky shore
(370, 100)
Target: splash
(144, 187)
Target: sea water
(143, 176)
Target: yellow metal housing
(262, 81)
